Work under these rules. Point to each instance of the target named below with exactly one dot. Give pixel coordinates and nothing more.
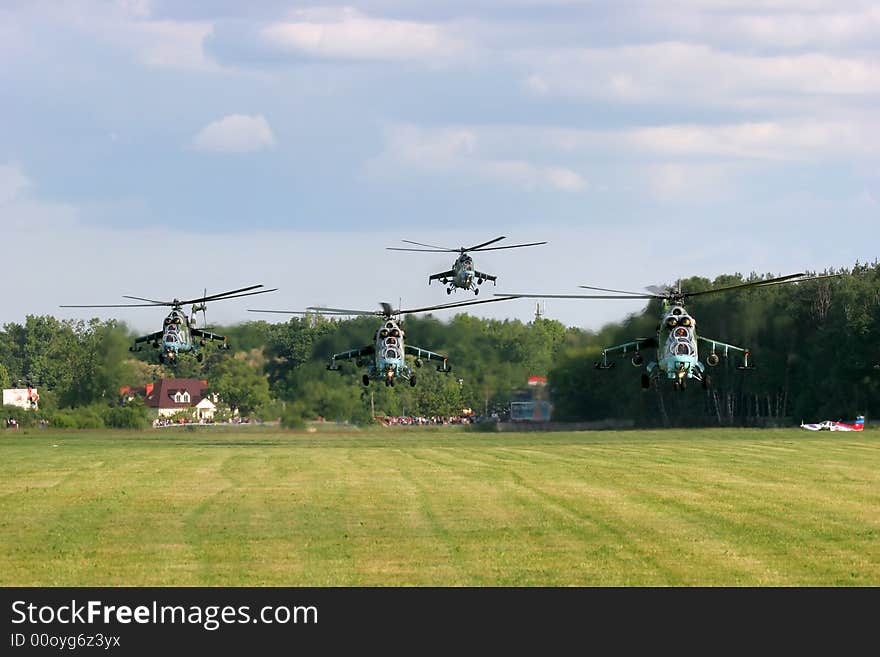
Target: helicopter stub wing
(369, 350)
(148, 338)
(420, 353)
(724, 349)
(634, 347)
(715, 344)
(199, 333)
(442, 275)
(485, 277)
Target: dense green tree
(239, 385)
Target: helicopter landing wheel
(366, 379)
(476, 290)
(412, 381)
(200, 357)
(448, 290)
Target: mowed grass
(440, 508)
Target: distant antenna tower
(539, 310)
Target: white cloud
(671, 162)
(697, 75)
(795, 139)
(236, 133)
(467, 153)
(349, 34)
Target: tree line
(815, 346)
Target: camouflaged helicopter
(385, 357)
(676, 341)
(179, 332)
(462, 275)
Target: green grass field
(424, 507)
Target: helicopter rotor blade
(430, 247)
(226, 295)
(790, 278)
(605, 289)
(517, 295)
(287, 312)
(459, 304)
(114, 305)
(230, 296)
(155, 301)
(343, 311)
(397, 248)
(512, 246)
(477, 247)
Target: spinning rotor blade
(459, 304)
(231, 296)
(387, 310)
(288, 312)
(517, 295)
(227, 295)
(431, 247)
(344, 311)
(512, 246)
(770, 281)
(153, 301)
(480, 246)
(114, 305)
(605, 289)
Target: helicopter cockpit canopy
(172, 334)
(467, 262)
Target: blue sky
(158, 148)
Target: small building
(205, 410)
(26, 398)
(171, 396)
(531, 404)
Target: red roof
(167, 392)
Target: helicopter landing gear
(646, 381)
(200, 357)
(366, 379)
(476, 290)
(448, 290)
(412, 381)
(389, 382)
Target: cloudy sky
(157, 148)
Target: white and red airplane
(829, 425)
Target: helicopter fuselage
(388, 363)
(464, 272)
(176, 334)
(677, 354)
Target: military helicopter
(179, 332)
(462, 275)
(385, 358)
(676, 341)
